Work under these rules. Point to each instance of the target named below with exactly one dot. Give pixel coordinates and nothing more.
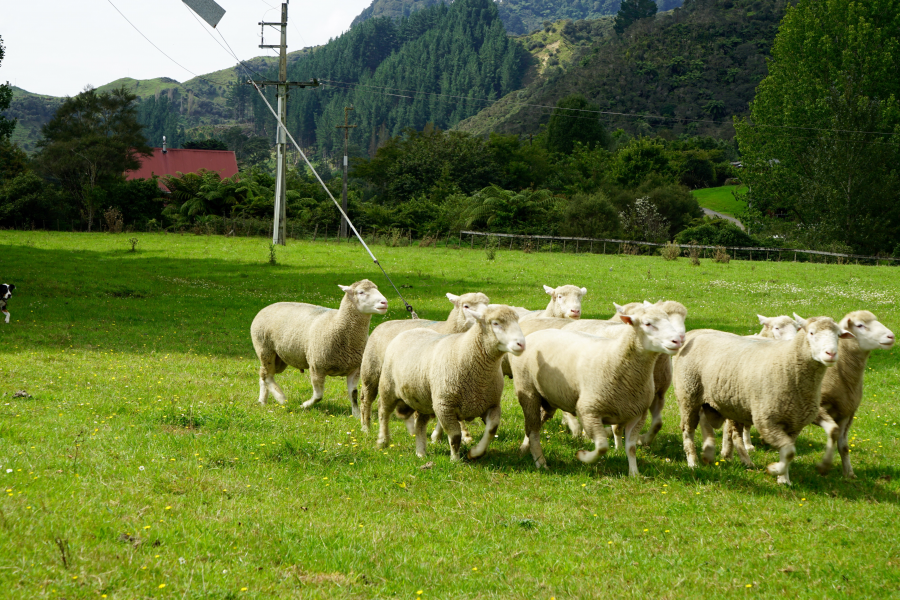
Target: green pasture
(141, 465)
(721, 199)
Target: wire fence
(549, 243)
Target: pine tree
(631, 11)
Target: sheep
(565, 303)
(381, 337)
(842, 387)
(326, 341)
(775, 385)
(451, 376)
(662, 373)
(602, 380)
(779, 328)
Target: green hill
(695, 66)
(518, 16)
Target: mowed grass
(143, 467)
(721, 199)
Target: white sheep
(662, 373)
(779, 328)
(602, 380)
(775, 385)
(451, 376)
(565, 303)
(384, 334)
(326, 341)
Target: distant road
(712, 213)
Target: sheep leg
(421, 435)
(318, 385)
(535, 416)
(688, 427)
(403, 411)
(656, 408)
(632, 433)
(844, 448)
(617, 435)
(437, 433)
(352, 394)
(466, 436)
(386, 404)
(572, 423)
(368, 392)
(593, 426)
(709, 440)
(833, 434)
(778, 438)
(263, 391)
(727, 443)
(491, 423)
(748, 442)
(268, 366)
(737, 438)
(450, 425)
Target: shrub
(671, 251)
(721, 255)
(694, 252)
(716, 232)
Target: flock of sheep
(599, 373)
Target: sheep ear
(549, 289)
(646, 303)
(583, 291)
(452, 298)
(627, 319)
(762, 320)
(474, 314)
(799, 320)
(344, 288)
(846, 335)
(619, 309)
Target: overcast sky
(57, 47)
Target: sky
(57, 47)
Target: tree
(572, 121)
(822, 144)
(210, 144)
(631, 11)
(6, 125)
(93, 138)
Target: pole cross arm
(300, 84)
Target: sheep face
(365, 297)
(822, 335)
(567, 299)
(657, 331)
(870, 334)
(502, 323)
(473, 301)
(779, 328)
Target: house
(172, 161)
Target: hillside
(519, 17)
(695, 66)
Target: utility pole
(346, 127)
(278, 230)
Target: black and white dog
(5, 294)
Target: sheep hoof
(823, 469)
(784, 480)
(467, 439)
(309, 403)
(354, 411)
(750, 447)
(850, 475)
(775, 469)
(473, 456)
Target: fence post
(472, 245)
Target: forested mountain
(518, 16)
(696, 67)
(440, 65)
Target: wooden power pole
(346, 127)
(278, 230)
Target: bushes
(717, 232)
(27, 199)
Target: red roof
(185, 161)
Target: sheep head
(501, 323)
(567, 299)
(657, 331)
(870, 334)
(365, 297)
(779, 328)
(822, 335)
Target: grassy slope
(144, 452)
(720, 199)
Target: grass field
(142, 466)
(720, 199)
